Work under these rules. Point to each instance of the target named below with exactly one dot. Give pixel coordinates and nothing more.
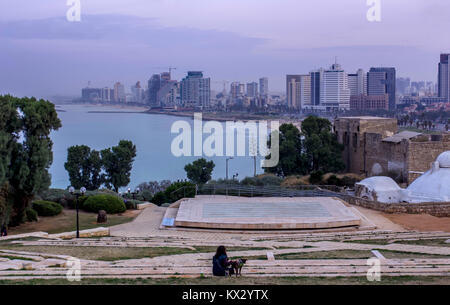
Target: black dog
(237, 266)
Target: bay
(101, 127)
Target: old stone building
(374, 147)
(351, 132)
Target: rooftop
(365, 118)
(398, 137)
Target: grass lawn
(385, 280)
(114, 253)
(425, 242)
(66, 222)
(353, 254)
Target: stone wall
(438, 209)
(422, 154)
(351, 132)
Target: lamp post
(81, 193)
(226, 161)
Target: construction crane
(168, 68)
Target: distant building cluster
(334, 90)
(161, 92)
(322, 90)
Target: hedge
(47, 208)
(31, 215)
(110, 203)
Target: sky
(43, 54)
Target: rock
(101, 217)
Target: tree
(84, 167)
(322, 150)
(314, 149)
(291, 159)
(199, 171)
(25, 150)
(117, 163)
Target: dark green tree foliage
(199, 171)
(117, 163)
(291, 158)
(314, 149)
(84, 167)
(25, 150)
(322, 150)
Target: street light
(226, 161)
(81, 193)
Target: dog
(237, 266)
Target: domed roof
(444, 159)
(380, 183)
(432, 186)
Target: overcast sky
(41, 53)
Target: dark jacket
(220, 265)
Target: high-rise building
(252, 89)
(91, 94)
(444, 77)
(334, 90)
(403, 84)
(137, 93)
(316, 79)
(154, 84)
(107, 94)
(119, 93)
(357, 83)
(298, 91)
(195, 90)
(382, 81)
(264, 86)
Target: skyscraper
(264, 86)
(252, 89)
(195, 90)
(381, 81)
(154, 84)
(137, 92)
(316, 79)
(119, 93)
(357, 83)
(334, 91)
(444, 77)
(298, 91)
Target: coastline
(206, 116)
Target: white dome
(444, 159)
(380, 183)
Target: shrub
(47, 208)
(316, 177)
(31, 214)
(334, 180)
(179, 190)
(270, 180)
(131, 204)
(159, 198)
(110, 203)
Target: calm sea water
(150, 133)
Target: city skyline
(116, 41)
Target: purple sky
(41, 53)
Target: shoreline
(206, 116)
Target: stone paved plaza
(226, 212)
(271, 253)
